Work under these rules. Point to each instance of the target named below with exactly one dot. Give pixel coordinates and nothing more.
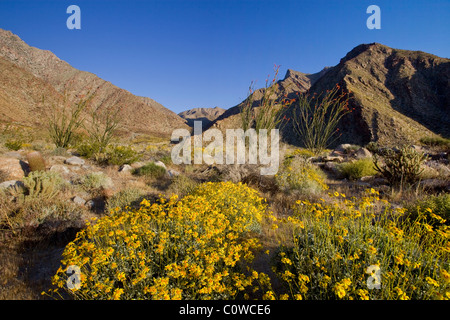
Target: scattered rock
(333, 159)
(363, 153)
(125, 168)
(13, 154)
(11, 183)
(60, 168)
(74, 161)
(79, 200)
(137, 165)
(172, 173)
(90, 204)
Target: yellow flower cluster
(335, 243)
(192, 248)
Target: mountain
(205, 115)
(397, 96)
(293, 82)
(33, 73)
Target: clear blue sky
(191, 53)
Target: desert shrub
(94, 180)
(123, 198)
(150, 170)
(3, 175)
(315, 118)
(357, 169)
(58, 151)
(188, 249)
(432, 208)
(347, 250)
(35, 161)
(373, 147)
(435, 141)
(87, 150)
(166, 159)
(38, 185)
(181, 185)
(13, 144)
(401, 168)
(119, 155)
(298, 174)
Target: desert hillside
(49, 76)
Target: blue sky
(194, 53)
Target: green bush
(14, 144)
(120, 155)
(95, 180)
(435, 141)
(150, 170)
(300, 175)
(357, 169)
(182, 185)
(124, 198)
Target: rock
(15, 168)
(11, 183)
(74, 161)
(125, 168)
(333, 159)
(363, 153)
(90, 204)
(160, 164)
(79, 200)
(137, 165)
(172, 173)
(13, 154)
(343, 147)
(60, 168)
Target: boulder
(125, 168)
(60, 169)
(74, 161)
(79, 200)
(363, 153)
(14, 168)
(343, 147)
(10, 184)
(172, 173)
(160, 164)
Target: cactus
(36, 161)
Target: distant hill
(32, 73)
(398, 96)
(205, 115)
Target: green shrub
(298, 174)
(357, 169)
(119, 155)
(87, 149)
(435, 141)
(182, 185)
(14, 144)
(150, 170)
(124, 198)
(95, 180)
(401, 168)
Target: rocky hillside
(398, 96)
(293, 82)
(205, 115)
(33, 72)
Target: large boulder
(15, 169)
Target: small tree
(102, 126)
(315, 118)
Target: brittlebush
(194, 248)
(339, 247)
